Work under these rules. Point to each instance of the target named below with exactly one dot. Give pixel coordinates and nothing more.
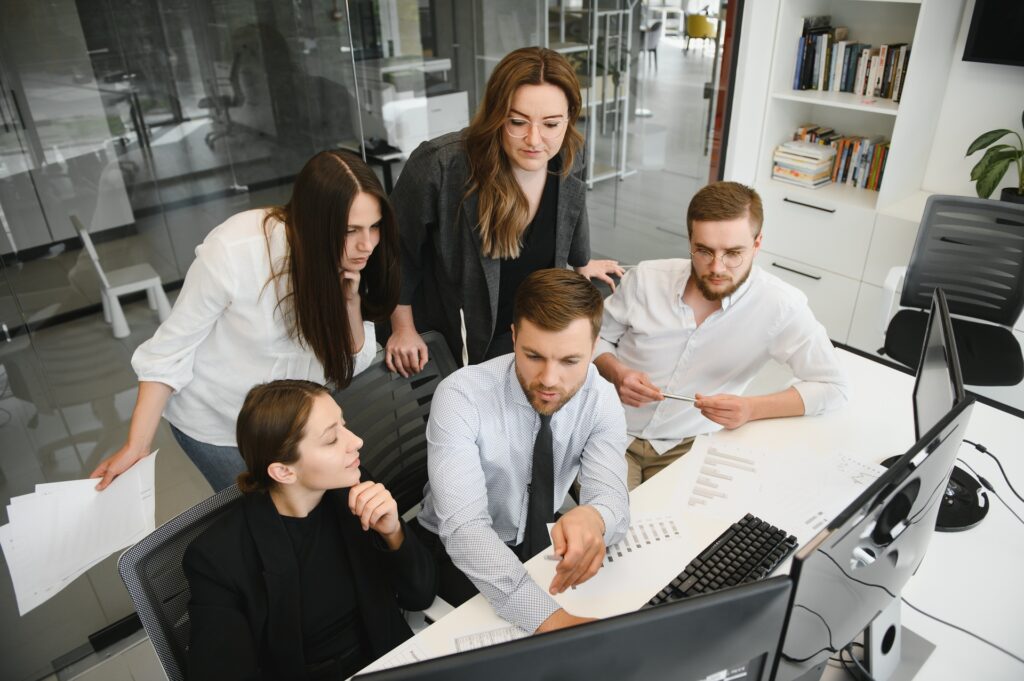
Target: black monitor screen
(730, 634)
(858, 565)
(939, 385)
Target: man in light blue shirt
(494, 478)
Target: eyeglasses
(730, 259)
(550, 128)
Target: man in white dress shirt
(703, 328)
(507, 438)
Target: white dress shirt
(648, 327)
(480, 440)
(225, 333)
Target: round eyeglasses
(730, 259)
(550, 128)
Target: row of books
(827, 61)
(819, 155)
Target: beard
(717, 294)
(540, 406)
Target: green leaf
(993, 154)
(988, 182)
(986, 139)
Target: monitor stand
(891, 653)
(964, 503)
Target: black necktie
(540, 508)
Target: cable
(969, 633)
(983, 450)
(864, 674)
(830, 647)
(987, 485)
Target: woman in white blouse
(284, 292)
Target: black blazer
(244, 608)
(443, 270)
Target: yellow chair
(700, 27)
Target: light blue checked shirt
(480, 454)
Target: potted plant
(989, 171)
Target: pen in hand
(684, 398)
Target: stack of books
(855, 160)
(827, 60)
(805, 164)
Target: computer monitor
(856, 567)
(939, 385)
(695, 639)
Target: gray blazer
(443, 271)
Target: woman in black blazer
(480, 209)
(306, 577)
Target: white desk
(971, 579)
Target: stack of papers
(64, 528)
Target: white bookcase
(836, 243)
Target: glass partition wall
(139, 125)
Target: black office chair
(221, 103)
(390, 414)
(973, 249)
(156, 583)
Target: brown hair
(502, 208)
(270, 426)
(725, 201)
(316, 223)
(552, 299)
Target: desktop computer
(938, 387)
(848, 578)
(730, 634)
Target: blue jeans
(219, 465)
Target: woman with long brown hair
(305, 578)
(285, 292)
(480, 209)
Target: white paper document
(407, 653)
(655, 544)
(64, 528)
(482, 639)
(731, 481)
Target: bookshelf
(840, 240)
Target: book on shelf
(828, 61)
(818, 155)
(806, 164)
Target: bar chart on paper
(724, 475)
(643, 532)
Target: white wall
(979, 97)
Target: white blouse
(225, 333)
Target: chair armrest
(893, 282)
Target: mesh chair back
(390, 414)
(152, 572)
(973, 249)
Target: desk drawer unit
(818, 231)
(831, 296)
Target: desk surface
(969, 578)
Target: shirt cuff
(602, 347)
(610, 522)
(813, 396)
(528, 606)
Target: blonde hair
(502, 208)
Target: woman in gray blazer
(480, 209)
